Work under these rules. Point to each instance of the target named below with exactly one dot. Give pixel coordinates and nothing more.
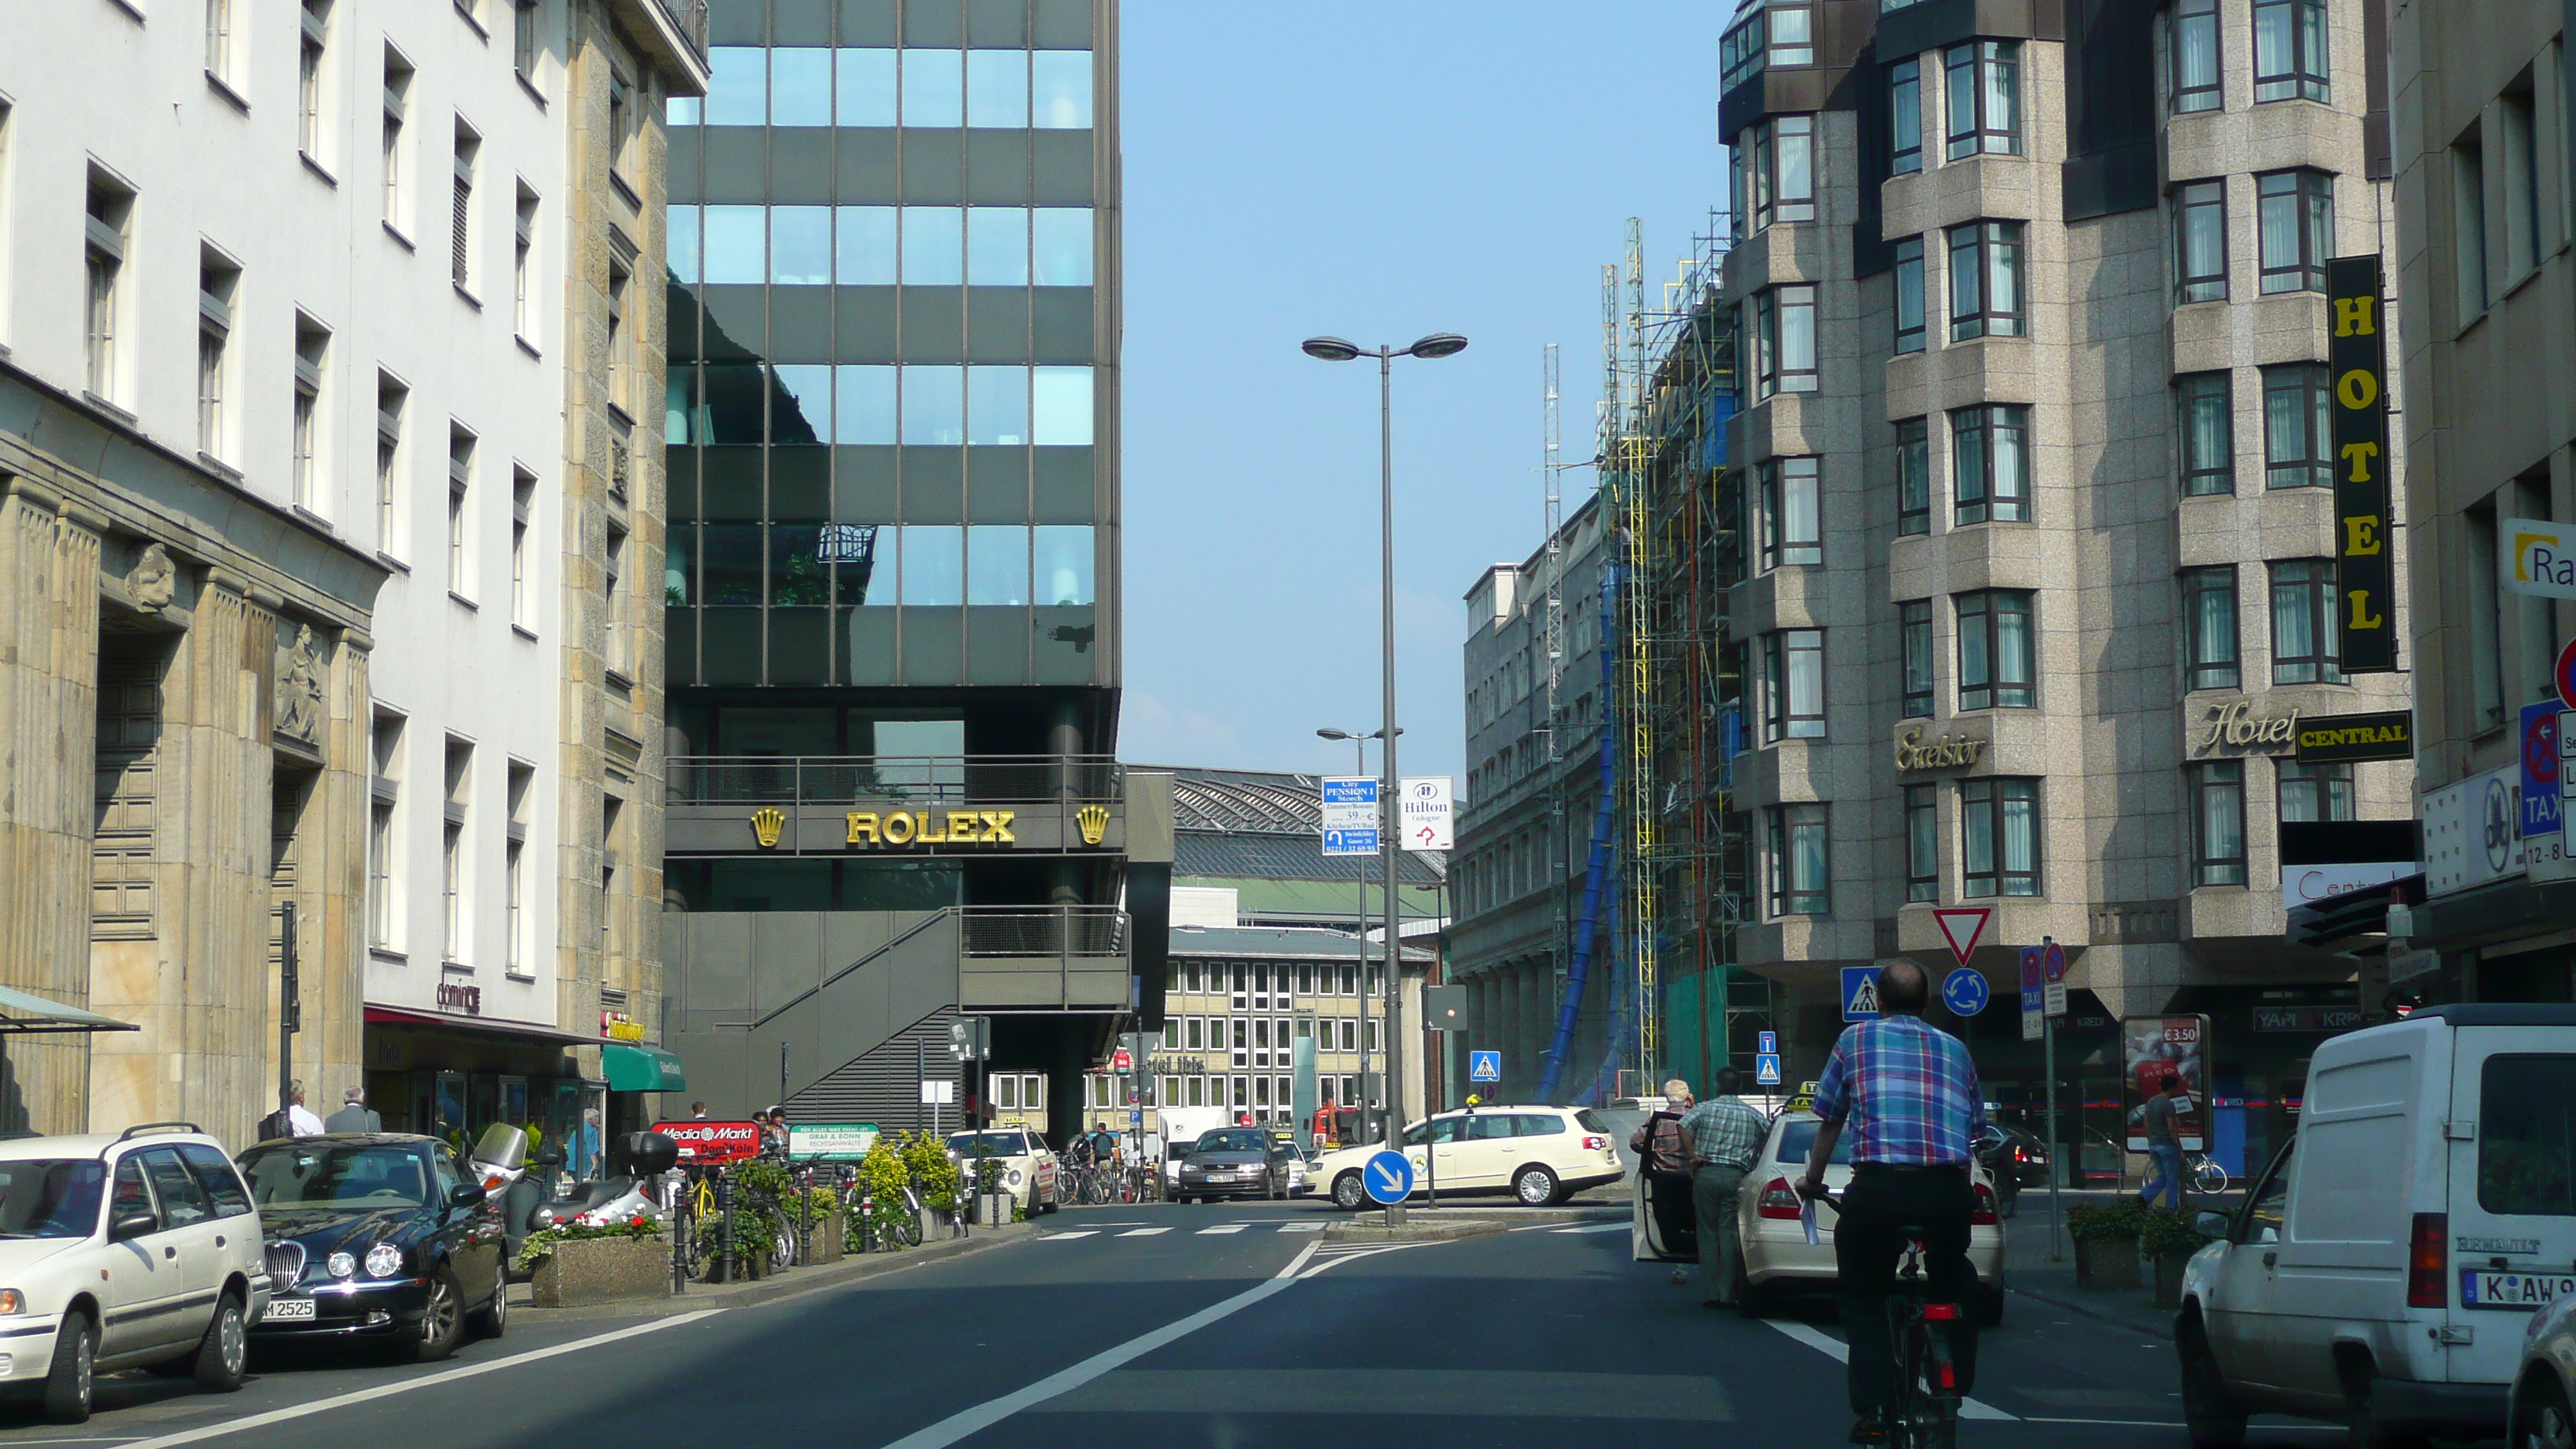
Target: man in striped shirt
(1724, 1135)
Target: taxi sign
(1803, 1099)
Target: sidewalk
(703, 1296)
(2028, 1271)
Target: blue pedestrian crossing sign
(1766, 1068)
(1860, 993)
(1965, 992)
(1484, 1066)
(1388, 1178)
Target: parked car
(1298, 1161)
(1027, 1167)
(377, 1235)
(137, 1249)
(2539, 1413)
(1540, 1155)
(2383, 1268)
(1234, 1162)
(1778, 1260)
(2016, 1158)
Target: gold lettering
(2357, 389)
(1001, 834)
(898, 827)
(2361, 454)
(2362, 616)
(2361, 534)
(961, 826)
(992, 824)
(921, 830)
(863, 827)
(2353, 316)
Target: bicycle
(2205, 1173)
(1923, 1412)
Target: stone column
(331, 881)
(48, 739)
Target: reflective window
(2305, 647)
(997, 405)
(1063, 564)
(2314, 792)
(1922, 843)
(863, 91)
(683, 225)
(800, 86)
(1905, 115)
(800, 410)
(732, 554)
(934, 564)
(2218, 823)
(997, 245)
(1909, 295)
(934, 406)
(997, 564)
(934, 246)
(997, 88)
(863, 408)
(800, 245)
(1060, 90)
(1061, 415)
(2200, 241)
(2195, 55)
(1060, 246)
(1914, 476)
(1985, 98)
(863, 253)
(934, 87)
(737, 86)
(2209, 627)
(1999, 837)
(2290, 61)
(1798, 860)
(733, 251)
(2205, 423)
(1915, 627)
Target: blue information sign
(1388, 1178)
(1484, 1066)
(1965, 992)
(1860, 993)
(1766, 1068)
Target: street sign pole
(2057, 1147)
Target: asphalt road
(1230, 1326)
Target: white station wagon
(1539, 1155)
(122, 1251)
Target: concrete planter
(825, 1244)
(2168, 1267)
(604, 1270)
(2106, 1263)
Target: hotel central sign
(2235, 726)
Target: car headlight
(1014, 1178)
(13, 1301)
(340, 1265)
(384, 1260)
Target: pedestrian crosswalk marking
(1143, 1232)
(1223, 1228)
(1594, 1228)
(1301, 1227)
(1059, 1237)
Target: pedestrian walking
(1663, 1155)
(1724, 1134)
(354, 1114)
(299, 1118)
(2164, 1141)
(697, 1111)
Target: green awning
(641, 1069)
(28, 1012)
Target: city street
(1235, 1325)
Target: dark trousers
(1714, 1190)
(1867, 1247)
(1669, 1194)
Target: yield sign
(1961, 926)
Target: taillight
(2428, 1262)
(1983, 1214)
(1779, 1201)
(1595, 1144)
(1941, 1312)
(2020, 1153)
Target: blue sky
(1377, 170)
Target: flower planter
(604, 1270)
(824, 1244)
(2168, 1270)
(2106, 1263)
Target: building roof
(1268, 825)
(1290, 943)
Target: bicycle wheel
(2209, 1176)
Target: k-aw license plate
(2486, 1288)
(282, 1310)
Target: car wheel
(1750, 1302)
(71, 1378)
(2541, 1421)
(1348, 1195)
(224, 1350)
(1990, 1307)
(2363, 1413)
(442, 1320)
(1535, 1186)
(494, 1320)
(2209, 1411)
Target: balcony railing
(691, 17)
(1021, 931)
(923, 781)
(1043, 958)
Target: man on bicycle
(1908, 1093)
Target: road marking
(386, 1391)
(1143, 1232)
(1077, 1233)
(1301, 1227)
(1835, 1349)
(1222, 1228)
(1595, 1228)
(983, 1416)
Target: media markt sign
(1427, 807)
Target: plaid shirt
(1909, 1091)
(1724, 1131)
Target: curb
(1411, 1232)
(2073, 1304)
(796, 1282)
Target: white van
(2383, 1268)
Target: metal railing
(691, 17)
(924, 780)
(1023, 931)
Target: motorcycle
(636, 1164)
(499, 1162)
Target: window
(2209, 628)
(460, 483)
(2218, 823)
(392, 400)
(384, 793)
(1905, 116)
(2297, 436)
(2314, 792)
(309, 130)
(2200, 241)
(2195, 56)
(1985, 98)
(2290, 61)
(217, 280)
(1997, 669)
(1778, 171)
(1792, 528)
(523, 300)
(219, 39)
(1915, 624)
(1990, 464)
(2524, 1166)
(523, 493)
(621, 125)
(2295, 215)
(1786, 319)
(1999, 837)
(1922, 843)
(110, 207)
(461, 210)
(2522, 237)
(312, 350)
(2205, 430)
(1914, 476)
(452, 861)
(1059, 90)
(2304, 645)
(1793, 34)
(2485, 634)
(1909, 295)
(1798, 860)
(618, 341)
(1985, 280)
(398, 78)
(518, 950)
(1793, 676)
(1739, 53)
(523, 38)
(2469, 222)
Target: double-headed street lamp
(1335, 349)
(1359, 766)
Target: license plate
(283, 1310)
(2486, 1288)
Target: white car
(1540, 1155)
(2539, 1415)
(118, 1251)
(1777, 1259)
(1027, 1168)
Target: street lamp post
(1359, 766)
(1335, 349)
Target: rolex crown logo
(1094, 820)
(766, 822)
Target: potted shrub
(574, 1265)
(2106, 1243)
(882, 1176)
(2167, 1239)
(934, 1176)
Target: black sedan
(1233, 1162)
(376, 1235)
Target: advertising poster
(2152, 1046)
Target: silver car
(2538, 1415)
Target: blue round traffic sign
(1965, 992)
(1388, 1178)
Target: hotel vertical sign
(2357, 356)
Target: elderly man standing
(1663, 1155)
(354, 1114)
(1724, 1134)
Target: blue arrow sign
(1860, 993)
(1388, 1178)
(1766, 1068)
(1965, 992)
(1484, 1066)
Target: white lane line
(386, 1391)
(1301, 1227)
(1060, 1237)
(1223, 1228)
(1596, 1228)
(1835, 1349)
(966, 1422)
(1143, 1232)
